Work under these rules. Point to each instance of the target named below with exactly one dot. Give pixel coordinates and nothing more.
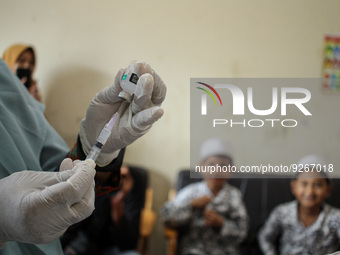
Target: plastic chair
(147, 222)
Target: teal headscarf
(28, 142)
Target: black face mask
(23, 72)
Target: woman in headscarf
(21, 60)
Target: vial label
(133, 78)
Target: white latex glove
(38, 207)
(137, 119)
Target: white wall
(82, 44)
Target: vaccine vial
(128, 83)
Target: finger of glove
(40, 180)
(73, 189)
(65, 175)
(144, 119)
(159, 89)
(75, 162)
(143, 93)
(82, 179)
(85, 207)
(110, 94)
(141, 68)
(66, 164)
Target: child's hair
(318, 165)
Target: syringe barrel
(102, 138)
(104, 135)
(97, 148)
(94, 153)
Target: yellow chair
(147, 222)
(170, 234)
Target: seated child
(212, 211)
(306, 225)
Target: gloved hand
(135, 121)
(38, 207)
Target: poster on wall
(331, 64)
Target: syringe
(102, 138)
(128, 84)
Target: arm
(178, 212)
(176, 216)
(335, 223)
(270, 232)
(235, 225)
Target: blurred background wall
(81, 45)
